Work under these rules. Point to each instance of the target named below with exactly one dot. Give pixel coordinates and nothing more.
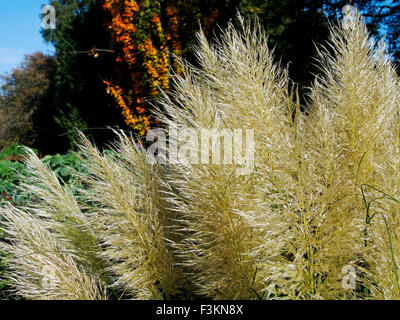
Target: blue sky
(20, 25)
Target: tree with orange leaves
(147, 34)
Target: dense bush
(320, 199)
(11, 167)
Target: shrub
(320, 199)
(11, 168)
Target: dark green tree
(84, 58)
(26, 105)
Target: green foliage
(13, 171)
(11, 168)
(65, 166)
(11, 150)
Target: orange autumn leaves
(145, 36)
(140, 122)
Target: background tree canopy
(26, 105)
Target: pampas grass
(41, 267)
(131, 220)
(232, 90)
(320, 198)
(59, 212)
